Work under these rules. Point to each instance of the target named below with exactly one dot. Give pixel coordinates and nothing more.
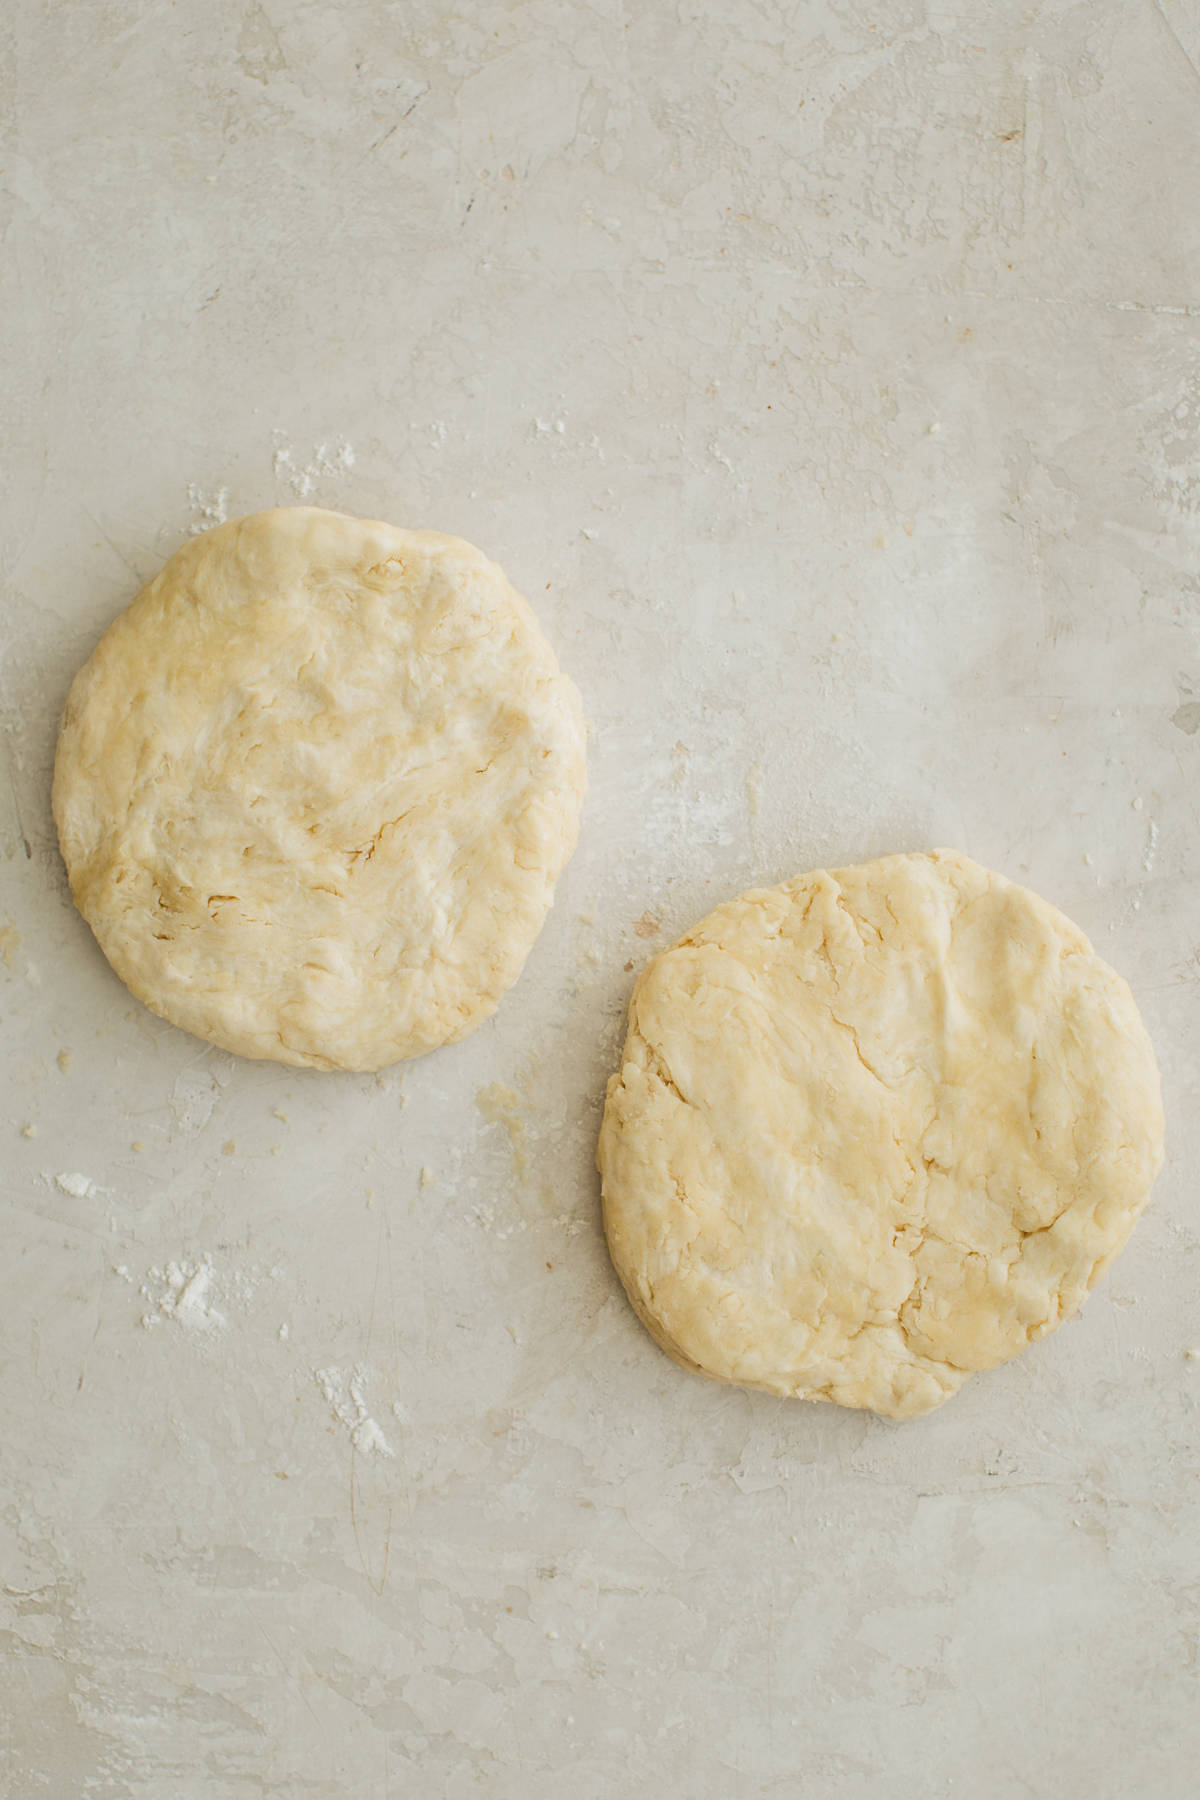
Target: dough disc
(315, 787)
(875, 1130)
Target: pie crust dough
(315, 786)
(875, 1130)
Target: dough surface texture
(874, 1130)
(315, 786)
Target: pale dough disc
(874, 1130)
(315, 787)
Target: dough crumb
(64, 1060)
(648, 926)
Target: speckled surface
(829, 379)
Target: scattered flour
(79, 1187)
(207, 510)
(185, 1297)
(326, 461)
(718, 455)
(485, 1216)
(344, 1392)
(1151, 847)
(187, 1291)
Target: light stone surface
(828, 377)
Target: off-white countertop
(828, 377)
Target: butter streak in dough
(315, 786)
(874, 1130)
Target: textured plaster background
(828, 376)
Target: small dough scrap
(875, 1130)
(315, 786)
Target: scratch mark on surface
(115, 548)
(1161, 10)
(288, 1674)
(376, 1587)
(21, 832)
(393, 129)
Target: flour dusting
(79, 1187)
(196, 1295)
(326, 461)
(344, 1391)
(207, 509)
(1151, 848)
(186, 1297)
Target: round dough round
(875, 1130)
(315, 787)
